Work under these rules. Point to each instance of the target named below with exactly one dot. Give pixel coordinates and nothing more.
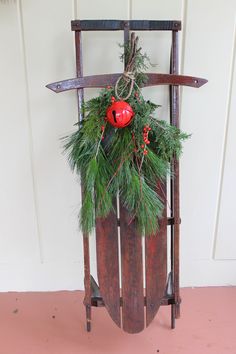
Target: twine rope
(128, 76)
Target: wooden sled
(118, 245)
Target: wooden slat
(117, 25)
(131, 264)
(132, 275)
(110, 79)
(108, 264)
(156, 264)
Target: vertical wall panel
(49, 57)
(18, 224)
(208, 52)
(226, 225)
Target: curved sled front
(132, 299)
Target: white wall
(40, 244)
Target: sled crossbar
(100, 81)
(119, 25)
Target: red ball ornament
(120, 114)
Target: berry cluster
(146, 131)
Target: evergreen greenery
(112, 161)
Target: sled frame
(172, 295)
(133, 305)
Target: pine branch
(112, 161)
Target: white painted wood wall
(40, 244)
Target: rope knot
(128, 75)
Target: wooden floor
(54, 323)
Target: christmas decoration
(122, 149)
(119, 114)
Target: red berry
(102, 128)
(113, 99)
(149, 128)
(148, 142)
(102, 137)
(142, 146)
(145, 152)
(108, 87)
(136, 94)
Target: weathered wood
(174, 120)
(80, 95)
(132, 275)
(156, 263)
(166, 300)
(108, 264)
(170, 221)
(126, 35)
(118, 25)
(79, 73)
(110, 79)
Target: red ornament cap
(120, 114)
